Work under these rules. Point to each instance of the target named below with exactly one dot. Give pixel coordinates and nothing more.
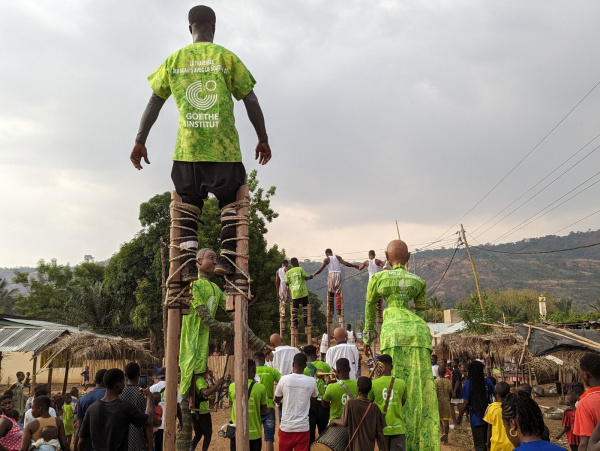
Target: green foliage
(473, 316)
(435, 310)
(7, 297)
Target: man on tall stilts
(203, 77)
(334, 286)
(295, 278)
(375, 265)
(406, 338)
(283, 293)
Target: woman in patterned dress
(11, 435)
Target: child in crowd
(158, 412)
(443, 388)
(569, 420)
(17, 417)
(48, 442)
(74, 398)
(497, 438)
(68, 417)
(8, 393)
(86, 377)
(27, 382)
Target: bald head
(276, 340)
(339, 334)
(397, 252)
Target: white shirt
(29, 416)
(334, 264)
(296, 390)
(434, 370)
(373, 268)
(347, 351)
(283, 358)
(159, 388)
(350, 340)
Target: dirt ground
(458, 439)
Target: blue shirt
(477, 417)
(540, 445)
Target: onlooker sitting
(364, 420)
(524, 424)
(106, 422)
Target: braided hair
(526, 413)
(479, 399)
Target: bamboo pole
(50, 368)
(241, 328)
(173, 332)
(66, 379)
(580, 340)
(464, 238)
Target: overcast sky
(376, 111)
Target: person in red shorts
(587, 414)
(568, 421)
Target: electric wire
(458, 242)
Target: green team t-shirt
(319, 365)
(268, 377)
(394, 417)
(336, 394)
(257, 398)
(203, 407)
(202, 78)
(294, 277)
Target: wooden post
(33, 372)
(341, 316)
(308, 324)
(50, 367)
(66, 379)
(281, 316)
(173, 332)
(163, 286)
(329, 318)
(464, 238)
(240, 323)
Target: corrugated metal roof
(439, 329)
(20, 339)
(24, 322)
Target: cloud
(376, 111)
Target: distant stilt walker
(334, 286)
(295, 278)
(374, 265)
(283, 292)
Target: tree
(473, 316)
(564, 306)
(7, 297)
(435, 310)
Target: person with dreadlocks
(203, 77)
(198, 324)
(524, 424)
(477, 394)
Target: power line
(447, 268)
(522, 160)
(538, 252)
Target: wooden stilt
(308, 324)
(240, 302)
(172, 334)
(329, 318)
(341, 316)
(34, 372)
(66, 379)
(281, 316)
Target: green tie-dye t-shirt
(202, 78)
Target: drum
(335, 438)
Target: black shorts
(194, 180)
(300, 301)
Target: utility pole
(464, 238)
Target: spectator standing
(106, 422)
(339, 392)
(201, 419)
(68, 418)
(86, 401)
(497, 437)
(343, 350)
(74, 398)
(41, 391)
(323, 347)
(524, 423)
(389, 393)
(140, 437)
(17, 389)
(267, 377)
(295, 390)
(443, 387)
(364, 420)
(456, 383)
(447, 372)
(350, 335)
(159, 387)
(434, 365)
(318, 415)
(86, 377)
(283, 355)
(42, 419)
(11, 435)
(587, 414)
(568, 422)
(477, 393)
(257, 403)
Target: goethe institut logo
(194, 91)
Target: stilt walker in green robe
(198, 324)
(406, 338)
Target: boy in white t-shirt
(295, 390)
